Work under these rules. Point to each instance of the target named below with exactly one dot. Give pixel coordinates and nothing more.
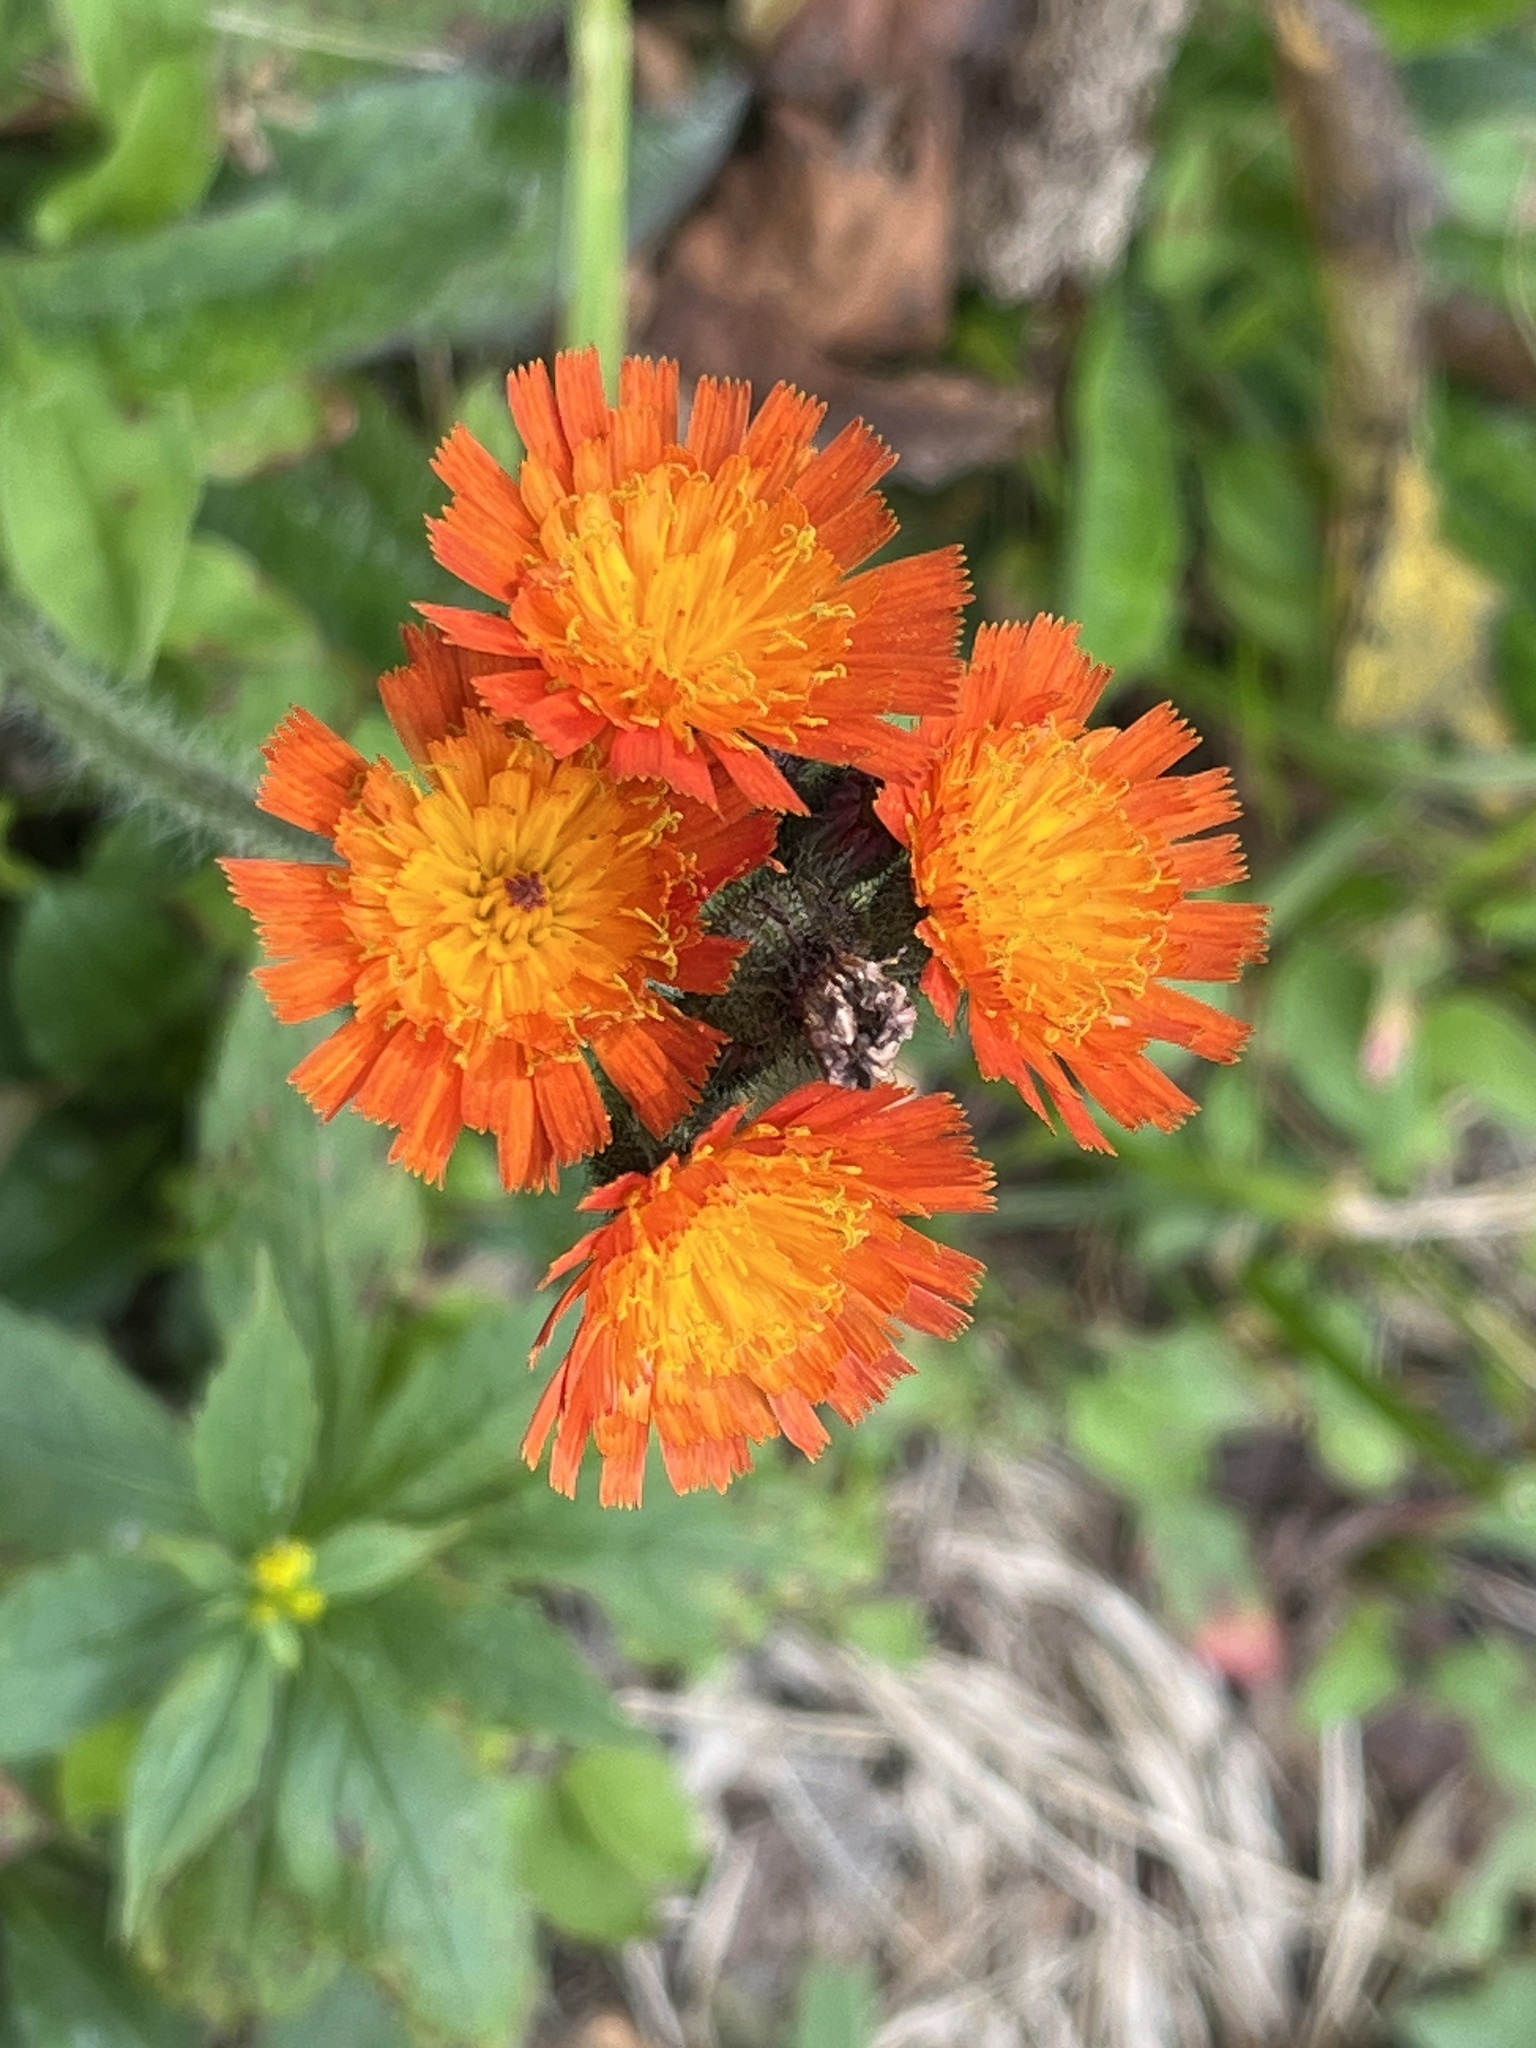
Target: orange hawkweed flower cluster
(524, 930)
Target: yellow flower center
(736, 1284)
(1032, 872)
(516, 893)
(685, 600)
(283, 1576)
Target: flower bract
(768, 1272)
(491, 919)
(1057, 866)
(681, 599)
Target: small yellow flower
(283, 1574)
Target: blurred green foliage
(225, 1328)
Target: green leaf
(836, 2007)
(344, 531)
(367, 1557)
(501, 1658)
(82, 1641)
(86, 1455)
(162, 160)
(230, 1938)
(1149, 1422)
(145, 64)
(80, 1215)
(26, 33)
(107, 985)
(1359, 1669)
(1317, 1008)
(1494, 2014)
(255, 1434)
(602, 1837)
(635, 1810)
(1126, 543)
(1199, 1552)
(114, 42)
(1358, 1445)
(1492, 1687)
(666, 1579)
(571, 1878)
(198, 1763)
(1329, 1337)
(1480, 1044)
(1477, 1921)
(1265, 557)
(453, 1426)
(383, 1822)
(422, 211)
(208, 1567)
(340, 1224)
(95, 508)
(251, 652)
(894, 1630)
(350, 2013)
(93, 1772)
(69, 1985)
(277, 423)
(1414, 25)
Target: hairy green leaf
(69, 1985)
(367, 1557)
(86, 1454)
(501, 1658)
(255, 1434)
(199, 1761)
(422, 210)
(108, 986)
(83, 1641)
(339, 1224)
(383, 1821)
(96, 504)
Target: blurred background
(1159, 1665)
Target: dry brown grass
(1058, 1829)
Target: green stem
(124, 740)
(597, 178)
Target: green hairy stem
(118, 736)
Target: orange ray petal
(312, 773)
(718, 424)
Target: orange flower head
(676, 600)
(1056, 865)
(491, 919)
(769, 1271)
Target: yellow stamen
(515, 892)
(752, 1270)
(1035, 873)
(685, 600)
(283, 1574)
